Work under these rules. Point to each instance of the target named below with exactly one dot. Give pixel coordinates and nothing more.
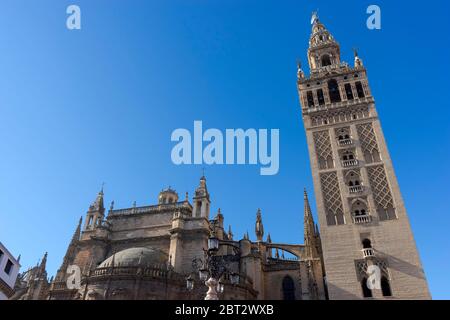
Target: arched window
(348, 155)
(366, 244)
(310, 98)
(333, 90)
(385, 287)
(359, 89)
(320, 97)
(288, 288)
(359, 208)
(326, 61)
(367, 293)
(348, 91)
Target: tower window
(366, 244)
(385, 287)
(288, 288)
(326, 61)
(348, 91)
(320, 97)
(310, 98)
(333, 90)
(8, 267)
(199, 209)
(367, 293)
(359, 89)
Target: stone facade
(362, 217)
(148, 253)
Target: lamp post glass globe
(190, 283)
(213, 243)
(203, 274)
(220, 287)
(234, 278)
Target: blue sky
(78, 108)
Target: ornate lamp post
(212, 269)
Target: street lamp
(213, 244)
(213, 269)
(203, 274)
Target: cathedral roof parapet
(148, 209)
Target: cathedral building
(149, 252)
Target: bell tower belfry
(362, 217)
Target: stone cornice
(6, 289)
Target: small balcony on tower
(360, 213)
(345, 142)
(362, 219)
(355, 189)
(348, 158)
(353, 181)
(368, 253)
(343, 137)
(367, 250)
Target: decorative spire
(309, 229)
(201, 200)
(259, 228)
(300, 73)
(43, 263)
(186, 199)
(98, 203)
(314, 17)
(358, 61)
(76, 234)
(269, 239)
(230, 233)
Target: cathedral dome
(167, 196)
(134, 257)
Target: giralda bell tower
(363, 221)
